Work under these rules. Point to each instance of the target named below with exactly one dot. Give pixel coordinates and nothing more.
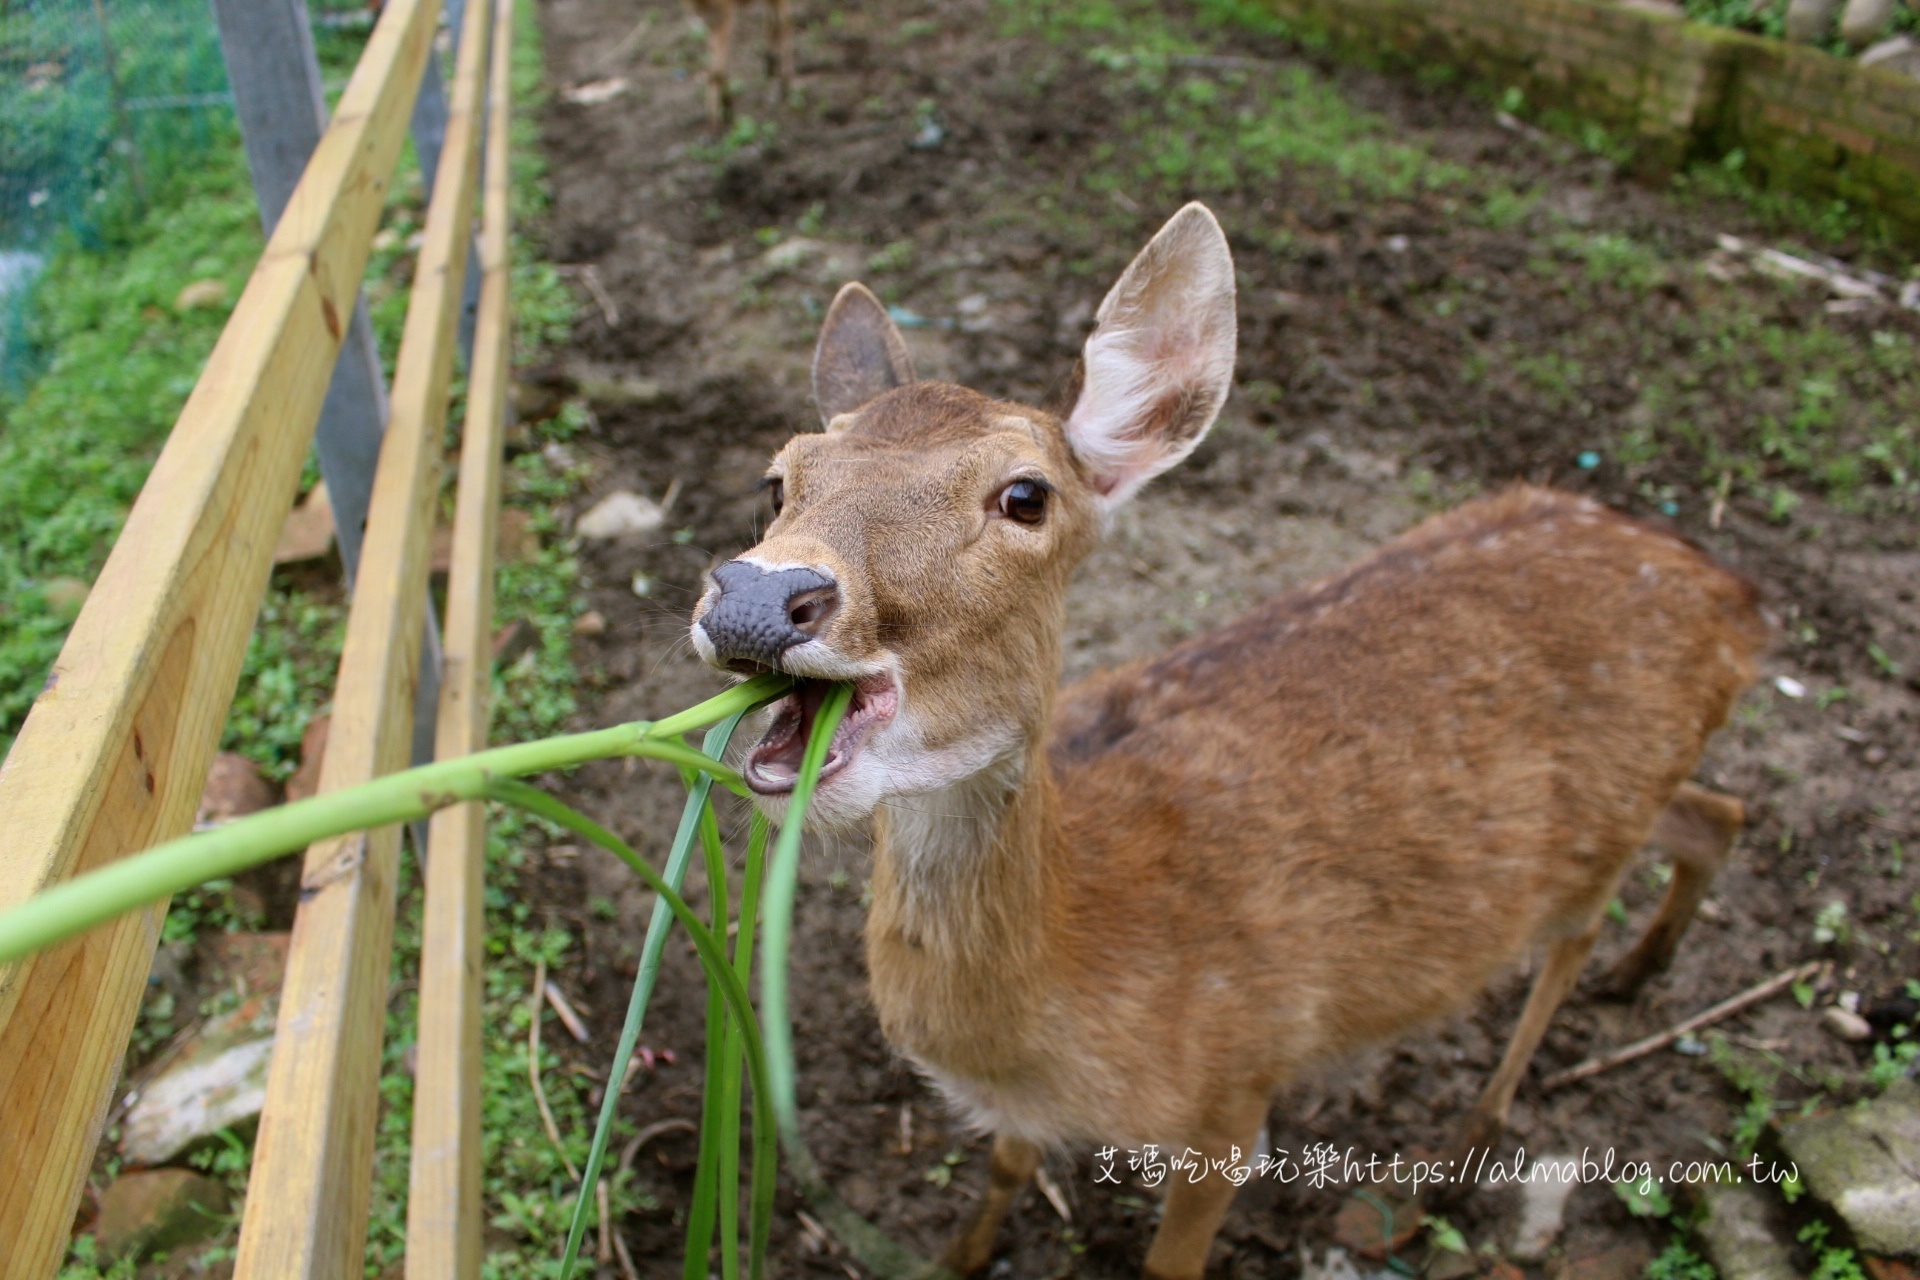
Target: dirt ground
(926, 124)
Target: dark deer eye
(776, 491)
(1024, 502)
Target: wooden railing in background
(114, 754)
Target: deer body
(1127, 912)
(1329, 821)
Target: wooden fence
(114, 754)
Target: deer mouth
(774, 764)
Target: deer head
(922, 542)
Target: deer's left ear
(1161, 357)
(860, 356)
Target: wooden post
(443, 1204)
(113, 755)
(277, 93)
(315, 1147)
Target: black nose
(759, 615)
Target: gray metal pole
(277, 93)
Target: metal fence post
(277, 93)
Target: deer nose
(760, 614)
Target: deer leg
(1195, 1206)
(719, 53)
(1014, 1161)
(1488, 1119)
(1697, 829)
(780, 47)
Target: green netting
(102, 102)
(95, 96)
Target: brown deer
(1129, 911)
(717, 16)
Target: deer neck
(957, 931)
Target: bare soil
(1358, 414)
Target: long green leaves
(739, 1052)
(76, 905)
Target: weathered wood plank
(114, 753)
(443, 1205)
(315, 1146)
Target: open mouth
(774, 764)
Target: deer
(717, 16)
(1133, 910)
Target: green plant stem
(730, 1080)
(679, 854)
(706, 1184)
(871, 1247)
(75, 905)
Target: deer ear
(1160, 359)
(861, 354)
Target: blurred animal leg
(1697, 830)
(1013, 1163)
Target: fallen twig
(533, 1067)
(1051, 1190)
(1641, 1048)
(648, 1134)
(589, 275)
(575, 1027)
(605, 1253)
(627, 1268)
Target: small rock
(255, 962)
(217, 1080)
(1363, 1228)
(201, 293)
(1889, 1269)
(1736, 1236)
(64, 595)
(1864, 21)
(1337, 1266)
(512, 640)
(1845, 1024)
(620, 514)
(1899, 54)
(1808, 21)
(308, 531)
(234, 789)
(590, 623)
(1622, 1262)
(626, 392)
(305, 781)
(158, 1209)
(1543, 1204)
(788, 254)
(1448, 1265)
(1864, 1161)
(595, 92)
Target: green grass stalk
(83, 902)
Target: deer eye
(1024, 502)
(777, 491)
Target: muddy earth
(989, 174)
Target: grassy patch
(1211, 119)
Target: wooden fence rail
(113, 756)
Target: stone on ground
(216, 1081)
(234, 789)
(1808, 21)
(1864, 1162)
(1543, 1206)
(1864, 21)
(158, 1209)
(1737, 1238)
(620, 514)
